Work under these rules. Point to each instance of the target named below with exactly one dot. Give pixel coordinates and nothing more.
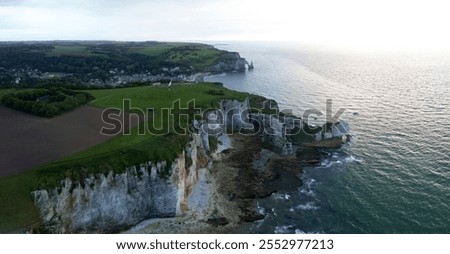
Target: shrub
(212, 143)
(57, 101)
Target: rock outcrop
(229, 62)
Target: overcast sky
(345, 22)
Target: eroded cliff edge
(212, 186)
(118, 201)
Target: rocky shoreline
(236, 184)
(209, 189)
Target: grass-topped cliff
(18, 211)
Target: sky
(353, 23)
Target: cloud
(149, 20)
(345, 22)
(101, 19)
(10, 2)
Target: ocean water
(394, 176)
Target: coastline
(229, 203)
(235, 178)
(243, 175)
(214, 183)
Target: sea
(394, 175)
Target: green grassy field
(17, 210)
(156, 50)
(200, 56)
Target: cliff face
(230, 62)
(118, 201)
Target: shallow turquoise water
(394, 177)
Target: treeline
(46, 102)
(70, 83)
(94, 59)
